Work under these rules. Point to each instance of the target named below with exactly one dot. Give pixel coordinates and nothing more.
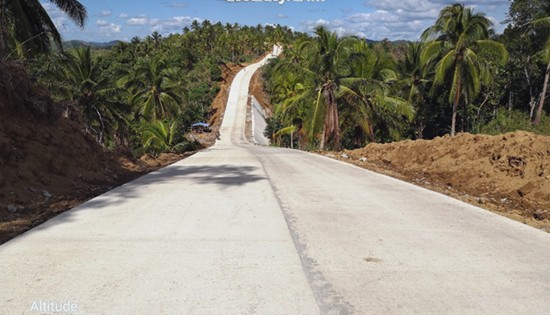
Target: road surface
(244, 229)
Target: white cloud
(106, 28)
(109, 29)
(138, 21)
(171, 25)
(123, 15)
(402, 19)
(105, 13)
(405, 5)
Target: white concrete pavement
(242, 229)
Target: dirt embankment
(256, 89)
(49, 164)
(508, 174)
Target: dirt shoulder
(508, 174)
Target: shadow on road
(224, 176)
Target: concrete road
(243, 229)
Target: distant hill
(81, 43)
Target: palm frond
(316, 116)
(443, 66)
(284, 131)
(491, 50)
(431, 51)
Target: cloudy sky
(374, 19)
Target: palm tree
(161, 136)
(92, 91)
(368, 89)
(31, 23)
(546, 57)
(155, 91)
(327, 57)
(413, 71)
(462, 38)
(157, 38)
(414, 82)
(291, 96)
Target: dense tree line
(332, 91)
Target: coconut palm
(156, 37)
(292, 95)
(461, 37)
(367, 91)
(162, 136)
(327, 57)
(414, 82)
(93, 93)
(26, 21)
(155, 91)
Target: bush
(509, 121)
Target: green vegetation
(460, 43)
(142, 95)
(331, 91)
(328, 91)
(514, 120)
(26, 28)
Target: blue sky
(374, 19)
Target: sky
(372, 19)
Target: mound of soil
(509, 173)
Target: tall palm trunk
(371, 133)
(331, 128)
(455, 107)
(542, 96)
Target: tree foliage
(26, 26)
(145, 94)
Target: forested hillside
(144, 95)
